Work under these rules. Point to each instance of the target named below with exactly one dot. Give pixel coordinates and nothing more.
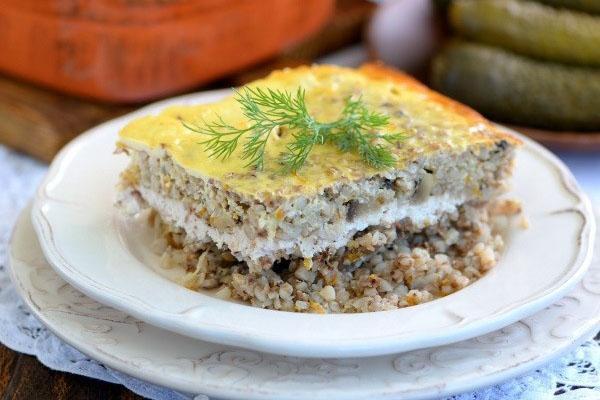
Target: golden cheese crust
(380, 71)
(431, 123)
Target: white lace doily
(573, 376)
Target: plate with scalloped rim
(165, 358)
(92, 247)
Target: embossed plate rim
(278, 332)
(115, 356)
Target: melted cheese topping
(429, 124)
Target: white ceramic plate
(87, 242)
(168, 359)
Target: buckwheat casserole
(391, 198)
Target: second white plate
(83, 238)
(196, 367)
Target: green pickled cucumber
(515, 89)
(590, 6)
(530, 28)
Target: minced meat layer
(264, 232)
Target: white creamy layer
(331, 236)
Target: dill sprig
(269, 109)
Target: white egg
(404, 33)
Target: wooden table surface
(24, 377)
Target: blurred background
(67, 65)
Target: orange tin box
(135, 50)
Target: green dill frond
(269, 109)
(299, 148)
(223, 138)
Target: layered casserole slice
(334, 210)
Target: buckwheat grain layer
(383, 268)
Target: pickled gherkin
(590, 6)
(530, 28)
(511, 88)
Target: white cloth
(575, 376)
